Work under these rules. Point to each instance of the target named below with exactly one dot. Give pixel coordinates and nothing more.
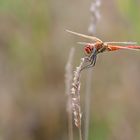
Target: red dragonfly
(98, 46)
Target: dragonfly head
(88, 48)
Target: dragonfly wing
(128, 43)
(83, 43)
(113, 48)
(86, 43)
(85, 36)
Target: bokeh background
(34, 49)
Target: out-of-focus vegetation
(33, 52)
(130, 10)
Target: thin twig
(95, 16)
(68, 81)
(75, 95)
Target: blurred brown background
(34, 49)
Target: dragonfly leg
(91, 64)
(91, 60)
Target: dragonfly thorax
(98, 46)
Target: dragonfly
(98, 46)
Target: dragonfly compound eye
(88, 49)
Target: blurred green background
(34, 49)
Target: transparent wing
(85, 36)
(85, 43)
(130, 43)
